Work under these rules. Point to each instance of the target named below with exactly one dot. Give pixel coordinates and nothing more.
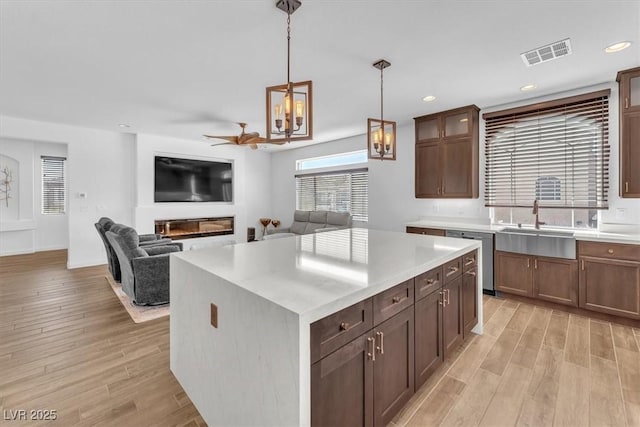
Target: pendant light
(381, 133)
(289, 106)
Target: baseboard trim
(93, 263)
(21, 252)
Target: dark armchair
(144, 270)
(105, 224)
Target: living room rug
(138, 313)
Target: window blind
(345, 191)
(53, 185)
(556, 152)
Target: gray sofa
(307, 222)
(144, 270)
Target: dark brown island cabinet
(549, 279)
(446, 154)
(629, 90)
(610, 278)
(368, 359)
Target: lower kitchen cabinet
(393, 376)
(610, 286)
(452, 328)
(367, 381)
(429, 354)
(513, 273)
(469, 300)
(342, 386)
(556, 280)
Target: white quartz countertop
(594, 236)
(318, 274)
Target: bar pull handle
(471, 273)
(395, 300)
(448, 291)
(372, 349)
(380, 348)
(626, 186)
(528, 263)
(452, 270)
(441, 302)
(431, 281)
(344, 326)
(535, 263)
(626, 102)
(469, 260)
(582, 264)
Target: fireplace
(194, 227)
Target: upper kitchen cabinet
(629, 89)
(446, 156)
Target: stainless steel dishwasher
(487, 255)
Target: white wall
(391, 183)
(100, 164)
(251, 185)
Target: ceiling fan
(252, 139)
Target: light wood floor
(66, 343)
(535, 367)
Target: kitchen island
(243, 317)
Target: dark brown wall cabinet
(446, 154)
(365, 378)
(610, 278)
(629, 89)
(550, 279)
(428, 231)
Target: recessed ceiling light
(617, 47)
(124, 125)
(429, 98)
(527, 88)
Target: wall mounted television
(189, 180)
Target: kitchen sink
(548, 243)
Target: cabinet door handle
(582, 264)
(448, 291)
(528, 263)
(626, 187)
(441, 301)
(535, 263)
(371, 354)
(380, 348)
(626, 103)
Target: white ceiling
(184, 68)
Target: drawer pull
(471, 273)
(344, 326)
(452, 270)
(431, 281)
(609, 251)
(470, 261)
(396, 300)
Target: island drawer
(392, 301)
(609, 250)
(334, 331)
(470, 260)
(452, 270)
(429, 282)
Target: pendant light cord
(288, 48)
(381, 97)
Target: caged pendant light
(289, 106)
(381, 133)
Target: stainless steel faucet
(535, 212)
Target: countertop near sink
(594, 236)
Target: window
(341, 159)
(53, 185)
(556, 152)
(343, 191)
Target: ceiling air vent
(547, 53)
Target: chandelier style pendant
(289, 106)
(381, 133)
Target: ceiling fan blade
(233, 139)
(274, 142)
(222, 143)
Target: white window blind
(345, 191)
(556, 152)
(53, 185)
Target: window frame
(50, 202)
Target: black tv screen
(187, 180)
